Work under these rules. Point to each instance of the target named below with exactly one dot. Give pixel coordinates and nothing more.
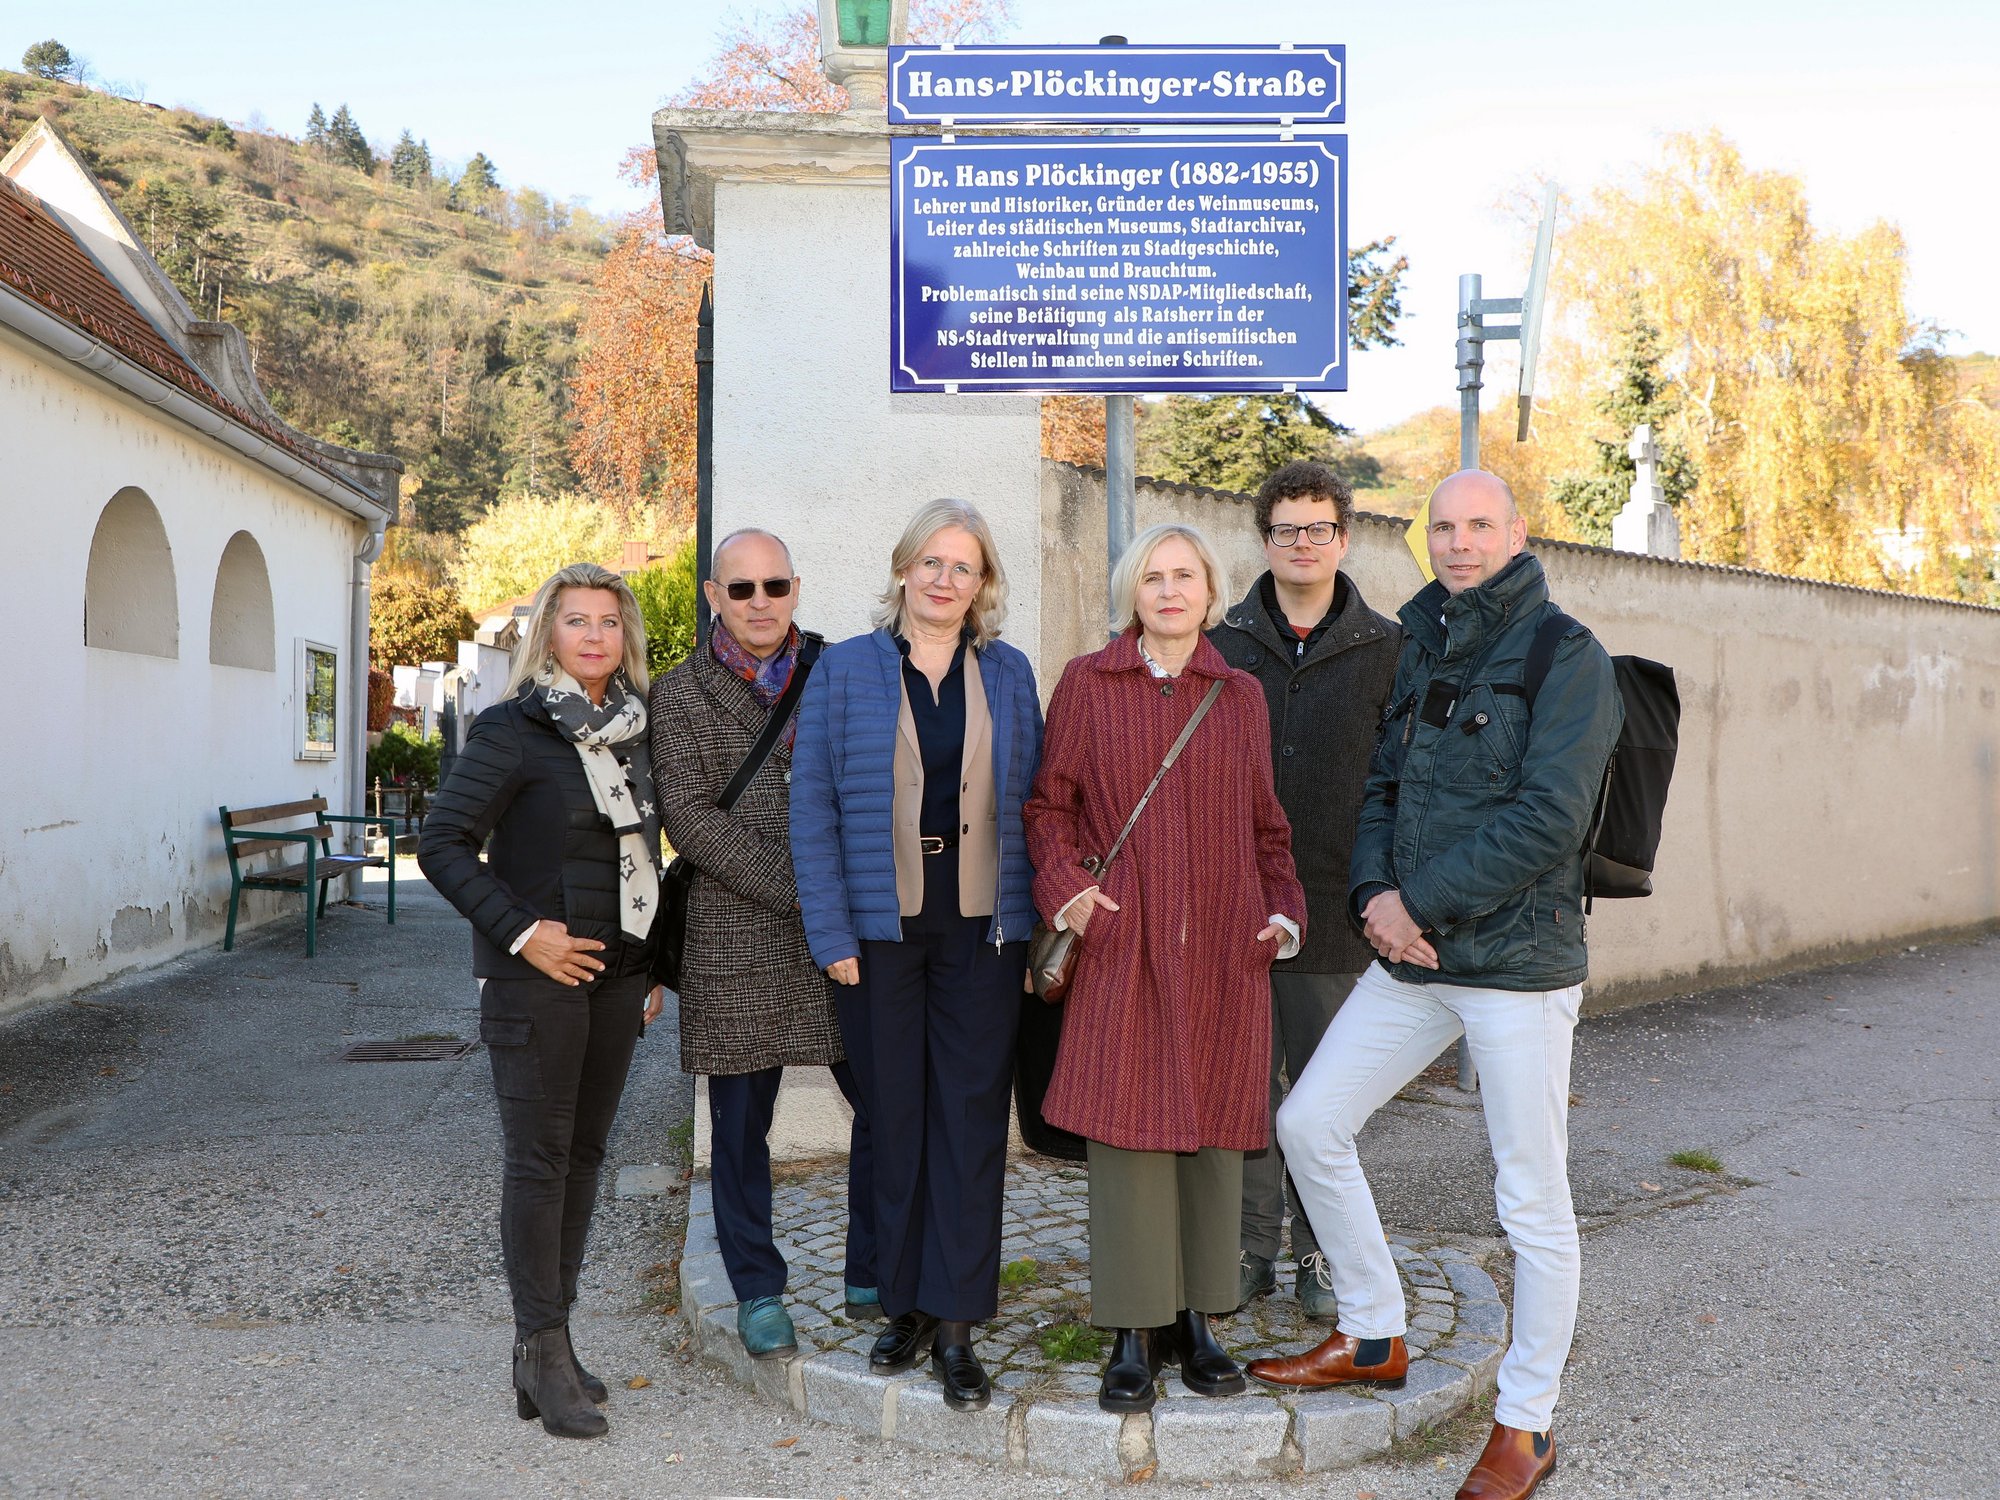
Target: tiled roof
(42, 261)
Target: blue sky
(1453, 104)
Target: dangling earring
(549, 668)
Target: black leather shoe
(902, 1343)
(1205, 1368)
(1136, 1357)
(957, 1368)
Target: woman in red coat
(1166, 1051)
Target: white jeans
(1386, 1034)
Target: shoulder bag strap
(1201, 712)
(781, 713)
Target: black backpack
(1625, 826)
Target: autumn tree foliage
(1822, 417)
(515, 546)
(411, 622)
(632, 398)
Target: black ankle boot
(1205, 1368)
(594, 1388)
(1136, 1356)
(545, 1386)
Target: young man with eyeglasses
(1326, 661)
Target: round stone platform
(1045, 1359)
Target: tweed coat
(751, 996)
(1325, 711)
(1167, 1038)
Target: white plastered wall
(112, 763)
(808, 441)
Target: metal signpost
(1474, 333)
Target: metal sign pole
(1471, 363)
(1120, 477)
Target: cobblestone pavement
(1046, 1359)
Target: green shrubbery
(403, 755)
(665, 593)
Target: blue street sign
(1247, 85)
(1111, 263)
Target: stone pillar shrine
(808, 442)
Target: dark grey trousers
(560, 1056)
(1302, 1006)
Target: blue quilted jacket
(843, 793)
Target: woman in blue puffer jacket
(916, 747)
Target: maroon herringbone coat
(1167, 1042)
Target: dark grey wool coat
(1324, 714)
(751, 996)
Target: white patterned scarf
(610, 739)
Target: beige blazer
(978, 817)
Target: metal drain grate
(444, 1050)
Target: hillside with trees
(392, 301)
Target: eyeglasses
(1319, 533)
(931, 569)
(743, 588)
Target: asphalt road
(232, 1265)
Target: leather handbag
(1052, 954)
(678, 881)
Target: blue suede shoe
(864, 1303)
(766, 1329)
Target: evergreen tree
(316, 130)
(410, 162)
(1640, 393)
(50, 59)
(1234, 442)
(346, 144)
(477, 185)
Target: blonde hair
(537, 639)
(989, 603)
(1132, 563)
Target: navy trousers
(739, 1120)
(930, 1036)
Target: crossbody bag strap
(1214, 692)
(781, 713)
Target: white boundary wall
(1836, 788)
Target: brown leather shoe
(1332, 1363)
(1512, 1465)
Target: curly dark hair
(1304, 479)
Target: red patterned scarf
(768, 677)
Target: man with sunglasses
(752, 1001)
(1326, 661)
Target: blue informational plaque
(1243, 85)
(1110, 263)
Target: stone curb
(1054, 1429)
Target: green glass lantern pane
(863, 23)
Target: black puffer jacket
(553, 853)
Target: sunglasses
(743, 588)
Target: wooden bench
(245, 840)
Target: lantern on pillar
(853, 36)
